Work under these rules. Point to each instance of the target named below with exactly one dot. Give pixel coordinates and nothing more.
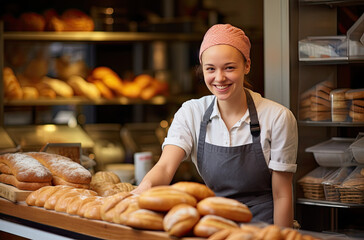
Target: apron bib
(239, 172)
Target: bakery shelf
(332, 2)
(330, 124)
(157, 100)
(100, 36)
(323, 203)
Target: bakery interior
(151, 47)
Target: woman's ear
(247, 67)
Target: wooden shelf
(323, 203)
(100, 36)
(94, 228)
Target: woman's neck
(233, 110)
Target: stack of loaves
(33, 170)
(356, 96)
(107, 183)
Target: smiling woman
(243, 145)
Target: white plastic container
(335, 152)
(357, 149)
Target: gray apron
(238, 172)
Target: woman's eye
(210, 69)
(230, 67)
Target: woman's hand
(143, 186)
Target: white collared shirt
(278, 135)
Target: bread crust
(180, 220)
(163, 198)
(63, 167)
(211, 224)
(145, 219)
(226, 208)
(355, 94)
(25, 168)
(31, 186)
(198, 190)
(109, 204)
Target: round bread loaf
(105, 176)
(211, 224)
(198, 190)
(180, 220)
(225, 207)
(163, 198)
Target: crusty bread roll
(198, 190)
(270, 232)
(109, 204)
(225, 207)
(60, 87)
(64, 201)
(104, 90)
(226, 233)
(25, 168)
(110, 78)
(83, 88)
(124, 207)
(92, 211)
(211, 224)
(51, 202)
(44, 194)
(63, 167)
(30, 93)
(12, 88)
(163, 198)
(145, 219)
(79, 201)
(32, 198)
(76, 20)
(105, 176)
(180, 220)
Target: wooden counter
(94, 228)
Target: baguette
(180, 220)
(163, 198)
(211, 224)
(25, 168)
(59, 181)
(32, 198)
(225, 207)
(109, 204)
(126, 205)
(145, 219)
(77, 202)
(198, 190)
(63, 167)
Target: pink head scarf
(225, 34)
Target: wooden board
(89, 227)
(12, 193)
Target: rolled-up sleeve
(284, 142)
(179, 133)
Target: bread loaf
(92, 211)
(5, 169)
(124, 207)
(163, 198)
(25, 168)
(83, 88)
(79, 201)
(59, 181)
(110, 78)
(44, 194)
(109, 204)
(270, 232)
(355, 94)
(211, 224)
(63, 167)
(225, 207)
(30, 186)
(198, 190)
(105, 176)
(180, 220)
(32, 198)
(60, 87)
(12, 89)
(144, 219)
(51, 202)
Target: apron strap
(203, 129)
(254, 121)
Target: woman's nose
(220, 76)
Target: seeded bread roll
(225, 207)
(25, 168)
(63, 167)
(211, 224)
(198, 190)
(180, 220)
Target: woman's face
(224, 71)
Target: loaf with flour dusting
(63, 167)
(25, 168)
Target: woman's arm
(164, 170)
(282, 198)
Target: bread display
(107, 183)
(12, 89)
(61, 88)
(198, 190)
(211, 224)
(163, 198)
(83, 88)
(180, 220)
(107, 208)
(63, 168)
(225, 207)
(144, 219)
(110, 78)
